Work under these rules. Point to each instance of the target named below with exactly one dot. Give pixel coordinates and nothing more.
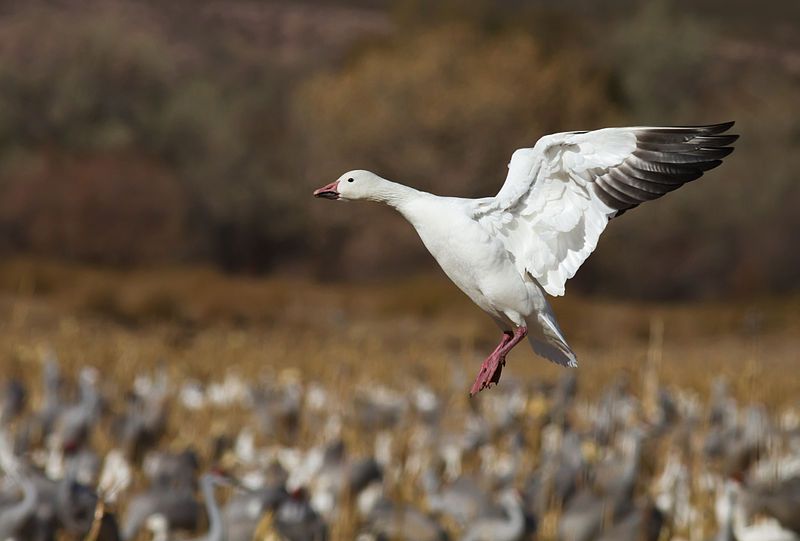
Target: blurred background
(134, 133)
(163, 261)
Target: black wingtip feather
(718, 128)
(716, 152)
(665, 158)
(715, 141)
(671, 173)
(606, 196)
(623, 199)
(683, 157)
(706, 166)
(708, 129)
(674, 178)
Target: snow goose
(506, 252)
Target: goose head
(354, 185)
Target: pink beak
(329, 191)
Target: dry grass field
(204, 326)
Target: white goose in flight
(505, 252)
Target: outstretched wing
(560, 194)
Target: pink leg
(494, 363)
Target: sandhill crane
(511, 527)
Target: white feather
(505, 252)
(555, 218)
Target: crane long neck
(516, 517)
(215, 532)
(13, 517)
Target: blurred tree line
(150, 132)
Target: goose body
(475, 260)
(508, 252)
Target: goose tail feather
(548, 341)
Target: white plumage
(506, 251)
(545, 214)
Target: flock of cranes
(528, 461)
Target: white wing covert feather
(560, 194)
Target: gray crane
(216, 526)
(584, 516)
(642, 524)
(244, 510)
(14, 516)
(177, 505)
(403, 523)
(780, 501)
(511, 527)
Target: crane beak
(329, 191)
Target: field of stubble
(202, 327)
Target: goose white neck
(395, 195)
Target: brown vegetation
(203, 326)
(199, 129)
(109, 208)
(203, 323)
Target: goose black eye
(350, 179)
